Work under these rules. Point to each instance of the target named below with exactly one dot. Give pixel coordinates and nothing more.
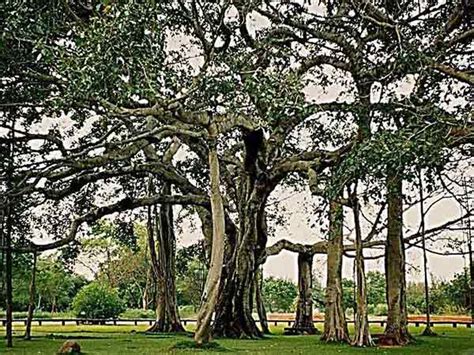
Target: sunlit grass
(131, 339)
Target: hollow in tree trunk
(335, 325)
(304, 307)
(362, 335)
(203, 332)
(162, 255)
(262, 313)
(234, 312)
(396, 332)
(31, 301)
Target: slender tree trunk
(396, 332)
(262, 313)
(162, 255)
(8, 241)
(234, 312)
(8, 279)
(146, 293)
(362, 335)
(31, 302)
(335, 325)
(428, 330)
(470, 251)
(210, 295)
(304, 309)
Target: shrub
(188, 311)
(97, 301)
(380, 309)
(370, 309)
(133, 313)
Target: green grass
(127, 339)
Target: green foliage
(191, 273)
(446, 297)
(138, 313)
(279, 294)
(97, 301)
(56, 286)
(380, 309)
(375, 288)
(348, 300)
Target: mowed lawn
(132, 340)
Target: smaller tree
(98, 301)
(375, 288)
(279, 294)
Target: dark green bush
(97, 301)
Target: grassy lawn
(131, 340)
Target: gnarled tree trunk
(304, 308)
(335, 325)
(234, 311)
(211, 290)
(396, 332)
(163, 254)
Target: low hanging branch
(120, 206)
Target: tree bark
(335, 325)
(396, 332)
(362, 335)
(31, 301)
(234, 312)
(162, 255)
(304, 309)
(211, 290)
(262, 313)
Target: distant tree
(279, 294)
(375, 288)
(55, 285)
(348, 300)
(126, 266)
(457, 290)
(191, 273)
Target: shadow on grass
(166, 335)
(191, 345)
(71, 337)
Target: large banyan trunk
(262, 313)
(163, 254)
(335, 325)
(211, 289)
(304, 308)
(362, 335)
(234, 311)
(396, 332)
(31, 301)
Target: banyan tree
(213, 105)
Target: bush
(133, 313)
(380, 309)
(370, 309)
(97, 301)
(450, 309)
(188, 311)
